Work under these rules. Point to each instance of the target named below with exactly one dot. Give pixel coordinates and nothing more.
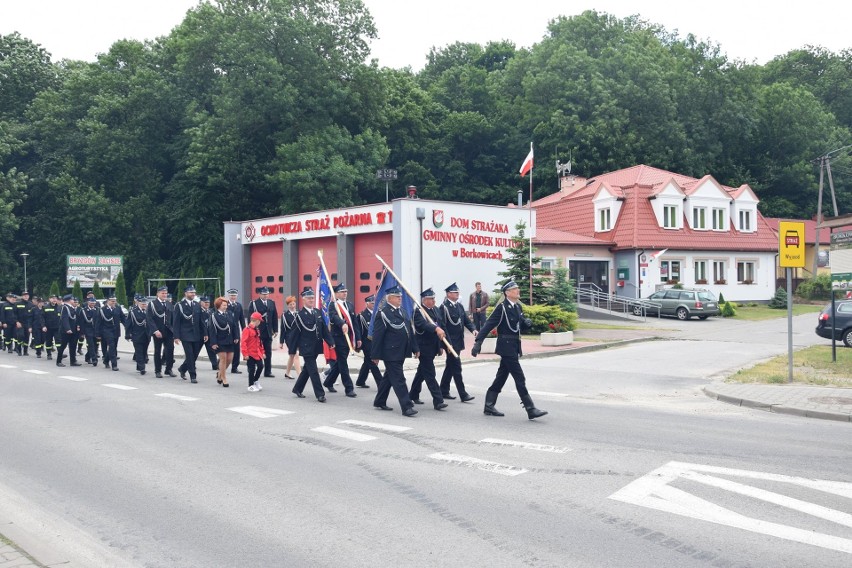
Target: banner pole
(334, 301)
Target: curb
(777, 408)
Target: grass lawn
(811, 366)
(763, 312)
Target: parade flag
(528, 163)
(324, 295)
(388, 282)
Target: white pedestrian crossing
(35, 372)
(260, 411)
(8, 367)
(356, 436)
(376, 425)
(525, 445)
(120, 387)
(176, 396)
(484, 465)
(72, 378)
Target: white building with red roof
(634, 230)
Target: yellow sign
(791, 246)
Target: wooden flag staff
(417, 305)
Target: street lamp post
(25, 255)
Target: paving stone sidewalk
(813, 402)
(11, 556)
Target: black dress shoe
(270, 376)
(321, 399)
(363, 386)
(60, 364)
(441, 406)
(76, 364)
(467, 398)
(300, 395)
(158, 374)
(183, 375)
(416, 401)
(409, 412)
(382, 407)
(171, 373)
(331, 389)
(115, 368)
(449, 397)
(351, 395)
(236, 371)
(141, 372)
(192, 380)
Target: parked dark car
(843, 319)
(680, 303)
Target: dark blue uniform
(87, 330)
(52, 316)
(9, 321)
(236, 310)
(69, 328)
(394, 341)
(341, 346)
(137, 331)
(430, 347)
(307, 335)
(368, 367)
(188, 327)
(108, 331)
(223, 331)
(455, 321)
(24, 315)
(159, 315)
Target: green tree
(121, 289)
(96, 290)
(77, 290)
(518, 261)
(139, 285)
(54, 288)
(560, 292)
(180, 286)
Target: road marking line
(72, 378)
(545, 393)
(260, 411)
(356, 436)
(653, 491)
(120, 387)
(176, 396)
(376, 425)
(8, 367)
(35, 372)
(493, 467)
(526, 445)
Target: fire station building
(427, 243)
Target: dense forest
(252, 108)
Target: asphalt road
(632, 467)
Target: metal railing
(592, 295)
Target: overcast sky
(746, 29)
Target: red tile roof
(636, 226)
(545, 235)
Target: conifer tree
(77, 290)
(139, 285)
(121, 289)
(96, 290)
(517, 261)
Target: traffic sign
(791, 246)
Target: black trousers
(478, 320)
(342, 368)
(453, 372)
(267, 362)
(309, 371)
(368, 367)
(52, 339)
(23, 337)
(509, 366)
(109, 349)
(191, 349)
(69, 340)
(255, 367)
(38, 339)
(140, 352)
(394, 378)
(9, 340)
(164, 352)
(426, 372)
(91, 349)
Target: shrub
(779, 301)
(729, 310)
(542, 316)
(818, 288)
(721, 298)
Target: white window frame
(699, 218)
(670, 214)
(547, 265)
(718, 215)
(605, 219)
(669, 272)
(719, 271)
(746, 221)
(746, 268)
(700, 267)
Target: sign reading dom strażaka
(88, 269)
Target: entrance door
(584, 273)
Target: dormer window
(745, 221)
(670, 216)
(605, 219)
(718, 219)
(699, 217)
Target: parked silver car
(680, 303)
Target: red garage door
(368, 270)
(267, 264)
(309, 261)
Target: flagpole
(336, 305)
(423, 312)
(530, 227)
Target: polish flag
(656, 255)
(528, 163)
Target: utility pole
(824, 167)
